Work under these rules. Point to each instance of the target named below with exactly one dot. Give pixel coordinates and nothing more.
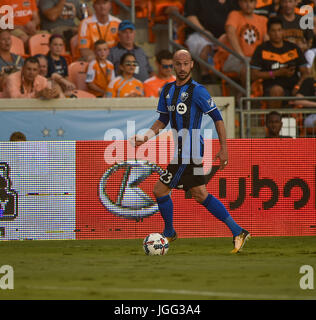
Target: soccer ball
(155, 244)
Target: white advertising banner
(37, 190)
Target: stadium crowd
(87, 34)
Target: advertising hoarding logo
(8, 196)
(132, 202)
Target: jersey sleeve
(162, 104)
(256, 59)
(233, 19)
(84, 35)
(110, 91)
(206, 103)
(204, 100)
(90, 73)
(301, 58)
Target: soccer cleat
(173, 238)
(240, 240)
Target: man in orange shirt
(245, 31)
(153, 85)
(27, 83)
(101, 25)
(26, 18)
(100, 71)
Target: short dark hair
(56, 36)
(274, 20)
(163, 54)
(17, 136)
(125, 55)
(99, 42)
(31, 59)
(273, 113)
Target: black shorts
(183, 176)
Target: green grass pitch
(198, 269)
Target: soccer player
(182, 103)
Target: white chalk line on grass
(237, 295)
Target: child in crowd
(57, 64)
(100, 71)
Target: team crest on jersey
(211, 102)
(182, 108)
(113, 30)
(184, 96)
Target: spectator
(100, 71)
(126, 43)
(209, 16)
(58, 16)
(291, 25)
(274, 125)
(281, 64)
(9, 62)
(153, 85)
(265, 8)
(245, 31)
(101, 25)
(57, 64)
(126, 85)
(308, 89)
(276, 4)
(26, 18)
(310, 53)
(17, 136)
(27, 83)
(43, 64)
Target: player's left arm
(208, 106)
(222, 155)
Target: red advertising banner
(269, 187)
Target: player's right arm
(158, 125)
(138, 140)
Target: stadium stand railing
(251, 119)
(175, 15)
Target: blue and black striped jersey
(185, 106)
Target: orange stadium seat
(17, 46)
(73, 47)
(77, 74)
(38, 44)
(157, 15)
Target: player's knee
(198, 196)
(160, 191)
